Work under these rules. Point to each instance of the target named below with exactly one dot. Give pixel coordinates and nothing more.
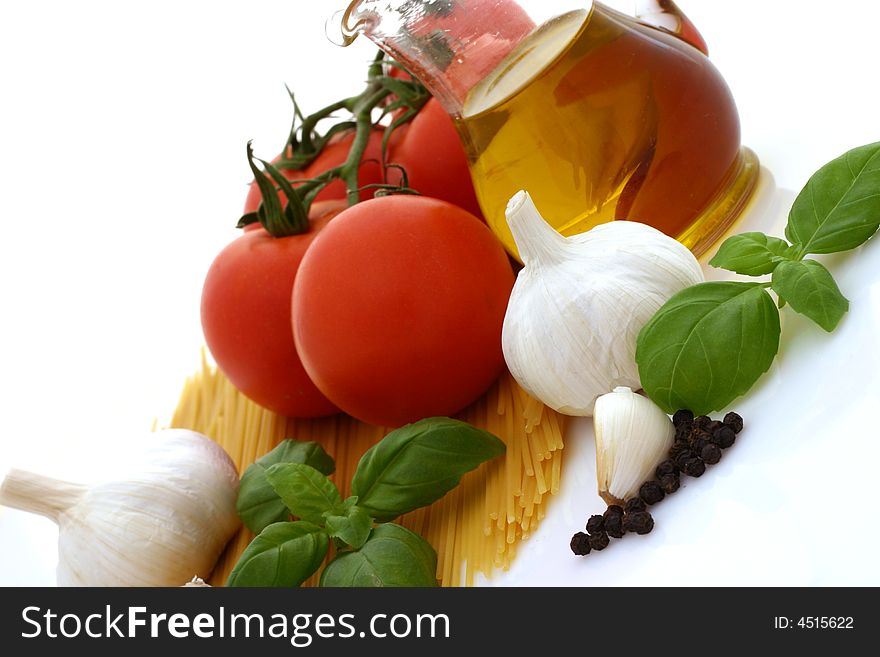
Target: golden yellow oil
(601, 118)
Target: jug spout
(449, 45)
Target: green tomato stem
(305, 143)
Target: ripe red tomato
(246, 318)
(398, 307)
(334, 154)
(434, 159)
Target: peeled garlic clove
(633, 435)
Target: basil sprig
(411, 467)
(711, 342)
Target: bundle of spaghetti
(475, 528)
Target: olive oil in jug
(597, 115)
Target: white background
(122, 171)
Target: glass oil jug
(598, 115)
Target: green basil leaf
(283, 554)
(752, 254)
(839, 208)
(392, 556)
(708, 345)
(304, 490)
(258, 504)
(417, 464)
(810, 290)
(352, 525)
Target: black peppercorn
(678, 448)
(698, 444)
(665, 468)
(599, 541)
(713, 425)
(639, 522)
(702, 421)
(683, 431)
(614, 525)
(595, 524)
(634, 504)
(734, 421)
(711, 454)
(683, 457)
(651, 492)
(683, 415)
(724, 437)
(670, 483)
(612, 510)
(694, 467)
(580, 544)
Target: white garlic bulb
(633, 435)
(578, 305)
(167, 518)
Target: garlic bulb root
(167, 518)
(633, 435)
(34, 493)
(577, 307)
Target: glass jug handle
(665, 15)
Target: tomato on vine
(333, 154)
(250, 301)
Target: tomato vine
(384, 95)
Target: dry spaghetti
(474, 528)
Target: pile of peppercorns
(699, 442)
